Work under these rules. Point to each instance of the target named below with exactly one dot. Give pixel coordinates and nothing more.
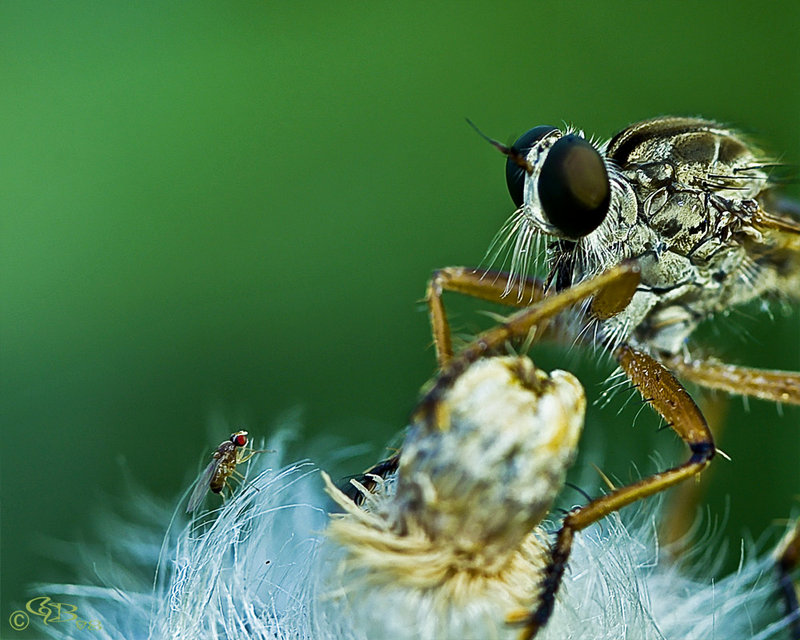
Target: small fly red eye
(239, 439)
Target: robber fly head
(690, 200)
(559, 181)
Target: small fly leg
(242, 456)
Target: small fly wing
(201, 487)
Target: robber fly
(668, 223)
(229, 453)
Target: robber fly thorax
(689, 200)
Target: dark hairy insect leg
(485, 285)
(786, 565)
(766, 384)
(666, 395)
(367, 479)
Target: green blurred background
(215, 213)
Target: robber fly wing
(201, 487)
(785, 227)
(780, 221)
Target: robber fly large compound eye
(515, 174)
(573, 187)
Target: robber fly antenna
(513, 154)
